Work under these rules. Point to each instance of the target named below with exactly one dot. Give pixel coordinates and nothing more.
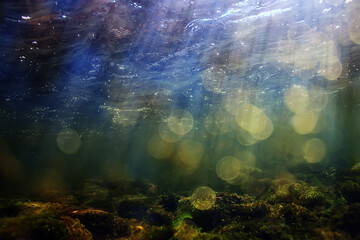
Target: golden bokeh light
(234, 99)
(251, 118)
(355, 6)
(68, 141)
(244, 138)
(166, 134)
(203, 198)
(180, 121)
(266, 133)
(354, 30)
(321, 46)
(305, 75)
(305, 122)
(285, 143)
(246, 157)
(158, 148)
(351, 11)
(228, 168)
(188, 156)
(318, 98)
(331, 68)
(314, 150)
(297, 99)
(327, 49)
(214, 79)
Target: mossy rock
(284, 192)
(272, 231)
(350, 191)
(102, 224)
(232, 231)
(208, 219)
(348, 220)
(76, 231)
(356, 169)
(187, 230)
(227, 208)
(169, 201)
(212, 236)
(158, 217)
(159, 233)
(312, 197)
(302, 194)
(293, 213)
(255, 210)
(289, 192)
(332, 235)
(56, 209)
(36, 227)
(234, 198)
(134, 206)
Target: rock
(102, 224)
(350, 190)
(169, 201)
(302, 194)
(33, 227)
(349, 220)
(328, 176)
(159, 233)
(312, 197)
(158, 217)
(356, 169)
(76, 231)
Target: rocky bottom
(285, 210)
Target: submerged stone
(102, 224)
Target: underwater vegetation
(288, 209)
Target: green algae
(42, 226)
(286, 210)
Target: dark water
(176, 94)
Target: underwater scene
(179, 119)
